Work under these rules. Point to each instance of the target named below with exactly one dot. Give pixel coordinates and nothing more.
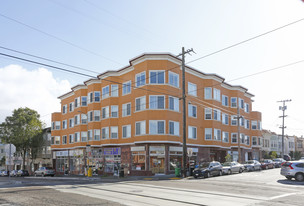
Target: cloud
(36, 89)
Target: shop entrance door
(157, 165)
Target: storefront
(96, 160)
(138, 158)
(71, 161)
(157, 159)
(112, 159)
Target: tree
(228, 158)
(2, 161)
(20, 130)
(273, 155)
(36, 144)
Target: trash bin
(121, 173)
(177, 172)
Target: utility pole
(283, 108)
(238, 117)
(184, 110)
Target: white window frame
(64, 137)
(192, 135)
(140, 82)
(96, 97)
(105, 112)
(254, 125)
(190, 110)
(142, 104)
(217, 114)
(192, 89)
(84, 136)
(233, 104)
(236, 137)
(106, 129)
(175, 104)
(217, 94)
(234, 120)
(71, 107)
(175, 128)
(208, 131)
(71, 138)
(114, 91)
(125, 109)
(105, 92)
(96, 134)
(142, 128)
(114, 128)
(96, 115)
(112, 108)
(225, 136)
(246, 108)
(157, 76)
(172, 76)
(128, 131)
(64, 124)
(224, 103)
(153, 122)
(84, 103)
(156, 102)
(126, 88)
(208, 111)
(208, 93)
(217, 134)
(65, 109)
(225, 119)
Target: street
(265, 187)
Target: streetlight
(88, 146)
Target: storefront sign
(62, 154)
(111, 151)
(157, 148)
(175, 149)
(137, 149)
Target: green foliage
(2, 161)
(295, 155)
(20, 129)
(265, 155)
(273, 155)
(228, 158)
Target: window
(77, 102)
(208, 133)
(138, 160)
(126, 131)
(192, 132)
(96, 115)
(225, 119)
(96, 96)
(242, 139)
(156, 127)
(83, 101)
(114, 90)
(140, 128)
(247, 124)
(71, 123)
(57, 125)
(90, 116)
(192, 89)
(192, 110)
(84, 136)
(105, 112)
(105, 92)
(64, 139)
(96, 134)
(225, 100)
(57, 140)
(140, 103)
(126, 88)
(114, 132)
(140, 79)
(208, 113)
(254, 141)
(90, 97)
(241, 103)
(114, 111)
(246, 107)
(126, 109)
(157, 77)
(254, 125)
(71, 138)
(233, 120)
(233, 102)
(64, 124)
(174, 128)
(76, 119)
(242, 122)
(234, 138)
(173, 79)
(217, 94)
(77, 137)
(259, 125)
(71, 107)
(174, 104)
(217, 114)
(225, 137)
(157, 102)
(217, 134)
(247, 140)
(84, 118)
(208, 93)
(90, 135)
(105, 133)
(64, 109)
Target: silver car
(252, 165)
(293, 169)
(45, 171)
(232, 167)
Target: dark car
(45, 171)
(278, 162)
(22, 173)
(13, 173)
(286, 157)
(267, 164)
(208, 169)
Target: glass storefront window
(176, 159)
(139, 160)
(111, 163)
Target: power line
(66, 70)
(59, 39)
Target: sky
(99, 35)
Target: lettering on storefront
(111, 151)
(62, 154)
(138, 149)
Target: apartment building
(132, 118)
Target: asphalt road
(266, 187)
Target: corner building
(132, 119)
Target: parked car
(252, 165)
(232, 167)
(267, 164)
(302, 159)
(278, 162)
(45, 171)
(286, 157)
(293, 169)
(22, 173)
(13, 173)
(208, 169)
(4, 173)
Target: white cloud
(36, 89)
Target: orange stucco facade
(165, 137)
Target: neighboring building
(300, 145)
(266, 148)
(140, 128)
(5, 153)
